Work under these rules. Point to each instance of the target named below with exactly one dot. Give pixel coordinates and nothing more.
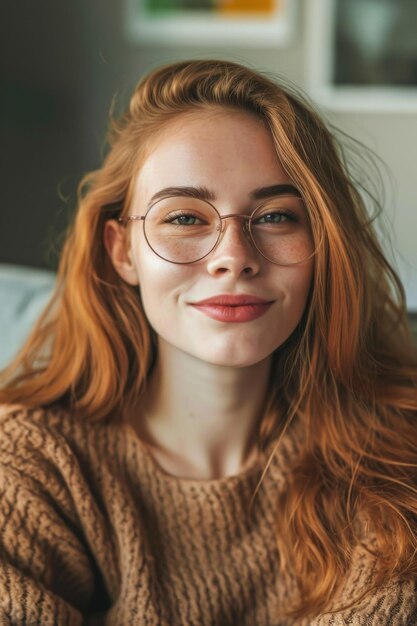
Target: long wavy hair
(348, 372)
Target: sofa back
(24, 293)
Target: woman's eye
(274, 218)
(184, 220)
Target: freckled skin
(230, 153)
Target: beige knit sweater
(93, 531)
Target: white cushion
(24, 293)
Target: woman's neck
(199, 418)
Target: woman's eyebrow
(203, 193)
(282, 189)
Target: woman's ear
(116, 243)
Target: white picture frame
(322, 60)
(188, 28)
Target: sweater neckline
(137, 446)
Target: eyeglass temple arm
(130, 218)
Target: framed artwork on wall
(362, 54)
(201, 22)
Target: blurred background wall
(61, 64)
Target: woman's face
(230, 154)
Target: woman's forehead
(220, 151)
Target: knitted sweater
(93, 531)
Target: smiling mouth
(233, 300)
(233, 313)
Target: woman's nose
(234, 251)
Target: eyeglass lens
(185, 230)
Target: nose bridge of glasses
(243, 228)
(244, 221)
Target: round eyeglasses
(186, 229)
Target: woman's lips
(237, 314)
(230, 299)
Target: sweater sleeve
(393, 605)
(45, 569)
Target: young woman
(214, 422)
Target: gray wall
(62, 63)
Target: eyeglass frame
(248, 221)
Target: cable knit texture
(94, 532)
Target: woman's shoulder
(36, 423)
(23, 428)
(55, 443)
(49, 518)
(37, 440)
(33, 428)
(50, 454)
(20, 414)
(32, 444)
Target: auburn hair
(348, 373)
